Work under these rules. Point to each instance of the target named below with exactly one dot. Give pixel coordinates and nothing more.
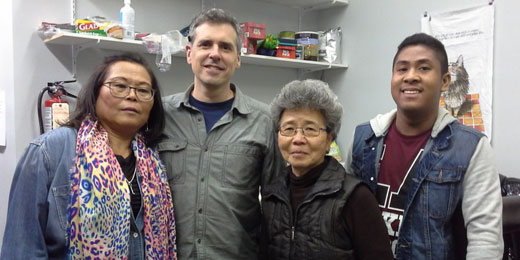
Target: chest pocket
(61, 198)
(173, 156)
(442, 188)
(242, 166)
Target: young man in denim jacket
(435, 179)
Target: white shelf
(310, 4)
(289, 63)
(69, 38)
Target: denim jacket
(37, 219)
(456, 170)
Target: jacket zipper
(295, 214)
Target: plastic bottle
(127, 17)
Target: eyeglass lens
(123, 90)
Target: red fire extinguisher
(56, 109)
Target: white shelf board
(289, 63)
(69, 38)
(310, 4)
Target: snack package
(334, 151)
(47, 30)
(114, 30)
(331, 41)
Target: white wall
(26, 66)
(8, 152)
(373, 29)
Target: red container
(284, 51)
(253, 30)
(248, 46)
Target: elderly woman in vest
(315, 210)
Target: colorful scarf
(100, 211)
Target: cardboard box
(253, 30)
(285, 51)
(248, 45)
(91, 27)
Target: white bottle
(127, 17)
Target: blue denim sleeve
(24, 236)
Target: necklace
(129, 182)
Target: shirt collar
(240, 104)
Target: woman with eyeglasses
(95, 188)
(316, 210)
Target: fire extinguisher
(56, 109)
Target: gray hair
(312, 94)
(215, 16)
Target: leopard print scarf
(99, 206)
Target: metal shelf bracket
(76, 49)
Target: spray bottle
(127, 17)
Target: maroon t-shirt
(400, 154)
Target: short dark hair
(215, 16)
(428, 41)
(86, 104)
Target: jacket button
(373, 148)
(371, 178)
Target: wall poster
(467, 35)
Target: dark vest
(319, 229)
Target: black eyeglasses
(307, 131)
(122, 90)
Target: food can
(286, 35)
(310, 44)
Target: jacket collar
(330, 181)
(381, 123)
(239, 104)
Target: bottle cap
(127, 2)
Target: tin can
(310, 44)
(299, 52)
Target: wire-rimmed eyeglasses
(122, 90)
(307, 131)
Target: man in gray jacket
(435, 179)
(220, 148)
